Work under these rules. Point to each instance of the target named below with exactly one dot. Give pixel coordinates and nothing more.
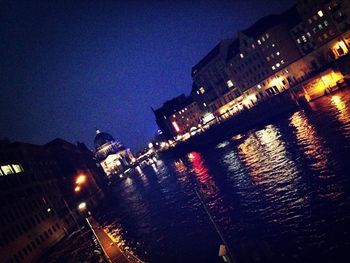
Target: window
(308, 34)
(259, 42)
(278, 53)
(304, 38)
(273, 67)
(263, 39)
(320, 26)
(253, 46)
(320, 13)
(241, 55)
(204, 104)
(17, 167)
(325, 23)
(6, 169)
(229, 83)
(298, 40)
(201, 90)
(273, 45)
(309, 20)
(278, 65)
(282, 61)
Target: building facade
(111, 154)
(32, 211)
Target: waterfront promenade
(111, 250)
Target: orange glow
(340, 49)
(77, 189)
(319, 86)
(80, 179)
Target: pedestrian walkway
(110, 249)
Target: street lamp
(82, 206)
(80, 179)
(77, 188)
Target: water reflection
(319, 155)
(343, 114)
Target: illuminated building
(321, 22)
(32, 214)
(211, 80)
(112, 155)
(177, 116)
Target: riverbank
(268, 109)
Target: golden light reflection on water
(343, 113)
(317, 152)
(311, 142)
(264, 155)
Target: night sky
(66, 68)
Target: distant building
(32, 210)
(111, 154)
(177, 116)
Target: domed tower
(111, 154)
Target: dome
(102, 138)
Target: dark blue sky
(69, 67)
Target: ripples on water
(280, 193)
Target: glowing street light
(80, 179)
(82, 206)
(77, 188)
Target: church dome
(102, 138)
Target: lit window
(174, 116)
(320, 13)
(185, 108)
(164, 117)
(298, 40)
(17, 167)
(259, 42)
(241, 55)
(282, 62)
(267, 35)
(308, 34)
(273, 45)
(263, 39)
(314, 29)
(253, 46)
(6, 169)
(259, 86)
(197, 91)
(273, 67)
(309, 20)
(204, 104)
(278, 65)
(277, 53)
(320, 26)
(268, 58)
(304, 38)
(325, 23)
(201, 90)
(229, 83)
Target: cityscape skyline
(72, 93)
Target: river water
(278, 193)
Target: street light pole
(228, 257)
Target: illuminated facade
(177, 116)
(112, 155)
